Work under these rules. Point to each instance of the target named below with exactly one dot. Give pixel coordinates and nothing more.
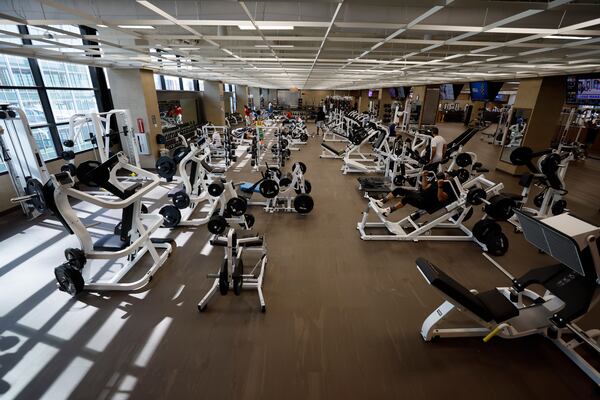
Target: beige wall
(212, 98)
(241, 93)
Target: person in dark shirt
(320, 121)
(432, 195)
(592, 134)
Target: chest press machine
(131, 238)
(571, 290)
(21, 155)
(376, 163)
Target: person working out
(438, 146)
(320, 121)
(430, 197)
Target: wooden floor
(343, 315)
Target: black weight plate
(496, 243)
(217, 224)
(483, 227)
(166, 167)
(216, 188)
(237, 206)
(399, 180)
(539, 199)
(303, 203)
(70, 168)
(464, 160)
(269, 188)
(250, 220)
(35, 187)
(521, 156)
(223, 279)
(275, 171)
(302, 166)
(307, 188)
(476, 196)
(68, 155)
(304, 137)
(69, 143)
(500, 208)
(559, 207)
(75, 257)
(463, 175)
(181, 200)
(171, 216)
(69, 280)
(285, 180)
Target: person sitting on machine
(430, 197)
(216, 139)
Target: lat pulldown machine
(23, 160)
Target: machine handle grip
(494, 332)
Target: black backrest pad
(451, 288)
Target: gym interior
(206, 199)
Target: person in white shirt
(216, 139)
(438, 146)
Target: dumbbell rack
(172, 136)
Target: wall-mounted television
(501, 98)
(447, 92)
(484, 90)
(479, 91)
(583, 89)
(370, 94)
(402, 92)
(393, 92)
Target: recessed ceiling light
(274, 46)
(102, 26)
(136, 26)
(566, 37)
(250, 27)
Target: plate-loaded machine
(285, 193)
(549, 174)
(571, 290)
(96, 127)
(131, 238)
(376, 163)
(451, 216)
(193, 190)
(231, 274)
(25, 165)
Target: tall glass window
(157, 82)
(172, 83)
(65, 103)
(58, 74)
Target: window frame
(99, 88)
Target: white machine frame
(143, 226)
(234, 250)
(450, 217)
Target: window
(83, 141)
(201, 85)
(58, 74)
(2, 166)
(188, 84)
(158, 82)
(65, 103)
(28, 100)
(15, 71)
(172, 83)
(45, 143)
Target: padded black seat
(489, 306)
(335, 151)
(110, 242)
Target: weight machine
(571, 290)
(98, 127)
(21, 155)
(447, 217)
(131, 238)
(231, 274)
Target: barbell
(499, 206)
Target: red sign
(140, 124)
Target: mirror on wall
(515, 132)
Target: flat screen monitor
(402, 92)
(501, 98)
(393, 92)
(370, 94)
(583, 89)
(479, 91)
(552, 242)
(447, 92)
